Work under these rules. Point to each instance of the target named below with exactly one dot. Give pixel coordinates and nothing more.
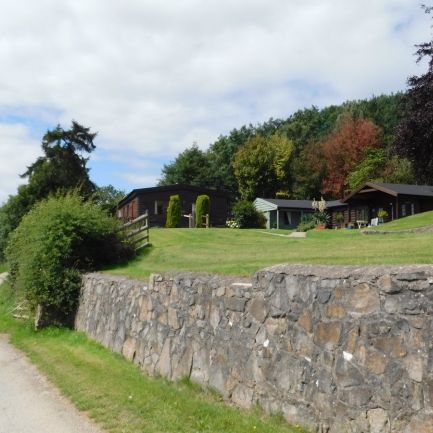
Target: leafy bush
(246, 215)
(382, 214)
(174, 212)
(321, 217)
(282, 195)
(57, 240)
(202, 207)
(308, 222)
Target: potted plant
(339, 217)
(320, 215)
(382, 215)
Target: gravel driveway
(30, 404)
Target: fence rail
(137, 231)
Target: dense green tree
(399, 170)
(261, 166)
(63, 164)
(370, 169)
(309, 170)
(415, 132)
(221, 155)
(108, 197)
(61, 167)
(190, 167)
(378, 166)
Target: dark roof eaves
(174, 187)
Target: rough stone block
(364, 299)
(422, 423)
(392, 346)
(347, 375)
(336, 311)
(173, 320)
(306, 321)
(235, 304)
(327, 334)
(243, 396)
(415, 367)
(388, 285)
(258, 308)
(129, 348)
(378, 420)
(376, 362)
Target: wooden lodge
(155, 201)
(398, 200)
(358, 208)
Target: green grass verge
(3, 267)
(411, 222)
(242, 252)
(117, 395)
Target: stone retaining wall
(337, 349)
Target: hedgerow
(60, 238)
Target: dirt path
(30, 404)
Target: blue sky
(154, 77)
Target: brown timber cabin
(155, 201)
(398, 200)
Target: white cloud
(17, 150)
(152, 77)
(139, 180)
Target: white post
(278, 219)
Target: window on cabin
(287, 218)
(362, 214)
(159, 207)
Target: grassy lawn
(242, 252)
(414, 221)
(3, 267)
(115, 393)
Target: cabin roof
(393, 189)
(275, 203)
(175, 188)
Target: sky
(153, 77)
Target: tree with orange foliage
(344, 148)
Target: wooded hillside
(313, 152)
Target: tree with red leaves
(344, 148)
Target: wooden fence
(137, 231)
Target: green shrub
(174, 212)
(58, 239)
(308, 222)
(246, 215)
(202, 207)
(282, 195)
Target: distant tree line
(314, 152)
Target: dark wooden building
(398, 200)
(155, 201)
